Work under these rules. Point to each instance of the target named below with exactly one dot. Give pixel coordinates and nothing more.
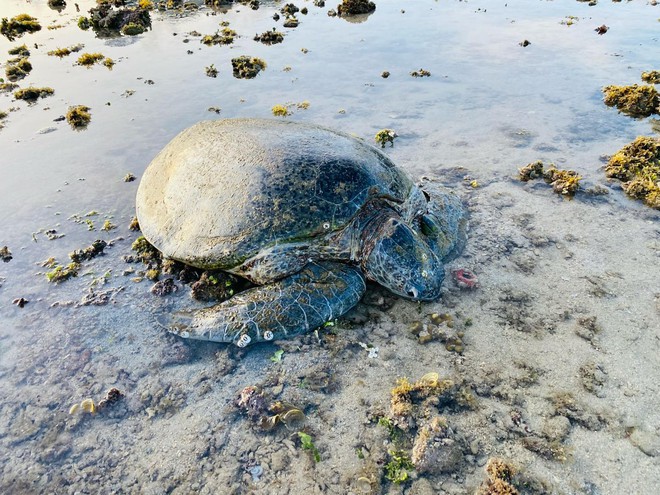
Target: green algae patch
(355, 7)
(651, 77)
(61, 273)
(33, 94)
(246, 67)
(637, 166)
(635, 101)
(17, 26)
(78, 117)
(398, 467)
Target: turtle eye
(326, 225)
(429, 226)
(425, 274)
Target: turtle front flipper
(296, 304)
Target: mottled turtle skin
(305, 212)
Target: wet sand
(559, 341)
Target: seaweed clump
(146, 251)
(64, 52)
(637, 166)
(651, 77)
(78, 117)
(410, 401)
(17, 26)
(7, 87)
(270, 37)
(355, 7)
(32, 94)
(280, 111)
(500, 479)
(531, 171)
(80, 255)
(385, 136)
(635, 101)
(564, 182)
(5, 253)
(246, 67)
(224, 37)
(89, 59)
(18, 68)
(20, 51)
(398, 466)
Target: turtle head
(402, 261)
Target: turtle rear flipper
(320, 292)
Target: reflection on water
(489, 106)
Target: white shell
(243, 340)
(268, 335)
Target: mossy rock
(246, 67)
(355, 7)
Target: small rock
(20, 302)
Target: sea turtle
(306, 213)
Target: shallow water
(489, 107)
